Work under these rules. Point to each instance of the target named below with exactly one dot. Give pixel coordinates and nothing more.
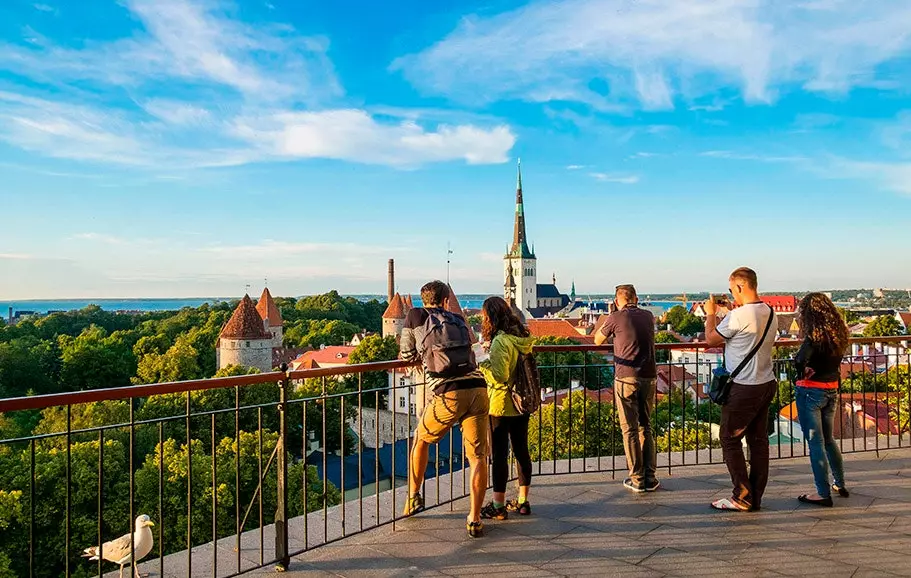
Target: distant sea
(468, 301)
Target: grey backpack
(446, 347)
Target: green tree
(95, 360)
(559, 370)
(663, 355)
(178, 363)
(578, 427)
(682, 321)
(28, 365)
(850, 317)
(317, 332)
(687, 437)
(10, 516)
(173, 456)
(883, 326)
(372, 348)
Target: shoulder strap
(756, 348)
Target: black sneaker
(475, 529)
(652, 486)
(491, 512)
(414, 505)
(630, 485)
(523, 509)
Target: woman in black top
(818, 364)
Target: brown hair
(628, 292)
(496, 316)
(746, 276)
(821, 322)
(433, 294)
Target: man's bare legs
(478, 487)
(419, 457)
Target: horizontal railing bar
(148, 390)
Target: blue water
(43, 306)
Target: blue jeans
(816, 412)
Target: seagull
(118, 551)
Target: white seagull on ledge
(118, 551)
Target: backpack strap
(756, 348)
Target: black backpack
(526, 385)
(446, 347)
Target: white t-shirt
(742, 328)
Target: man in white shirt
(745, 414)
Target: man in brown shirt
(633, 333)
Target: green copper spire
(572, 294)
(519, 239)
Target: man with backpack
(633, 333)
(442, 341)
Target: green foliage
(50, 488)
(682, 321)
(10, 515)
(578, 427)
(883, 326)
(331, 305)
(663, 355)
(559, 370)
(317, 332)
(686, 437)
(850, 317)
(371, 349)
(95, 360)
(178, 363)
(28, 365)
(173, 458)
(895, 379)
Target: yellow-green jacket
(498, 370)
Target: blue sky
(192, 147)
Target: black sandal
(843, 492)
(825, 502)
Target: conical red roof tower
(453, 306)
(245, 323)
(267, 309)
(396, 308)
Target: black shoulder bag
(720, 387)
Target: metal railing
(243, 472)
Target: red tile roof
(905, 319)
(245, 323)
(408, 303)
(557, 328)
(267, 309)
(330, 356)
(396, 309)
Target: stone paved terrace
(588, 525)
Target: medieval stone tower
(244, 339)
(272, 317)
(394, 317)
(520, 261)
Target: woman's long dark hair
(496, 316)
(821, 322)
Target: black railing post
(281, 504)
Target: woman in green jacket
(508, 337)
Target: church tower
(272, 317)
(520, 261)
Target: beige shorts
(467, 407)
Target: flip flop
(726, 504)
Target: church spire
(519, 239)
(572, 294)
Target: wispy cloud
(15, 256)
(652, 52)
(643, 155)
(256, 94)
(730, 155)
(615, 178)
(574, 167)
(44, 8)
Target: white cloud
(355, 135)
(894, 176)
(256, 94)
(730, 155)
(652, 52)
(15, 256)
(615, 178)
(44, 8)
(574, 167)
